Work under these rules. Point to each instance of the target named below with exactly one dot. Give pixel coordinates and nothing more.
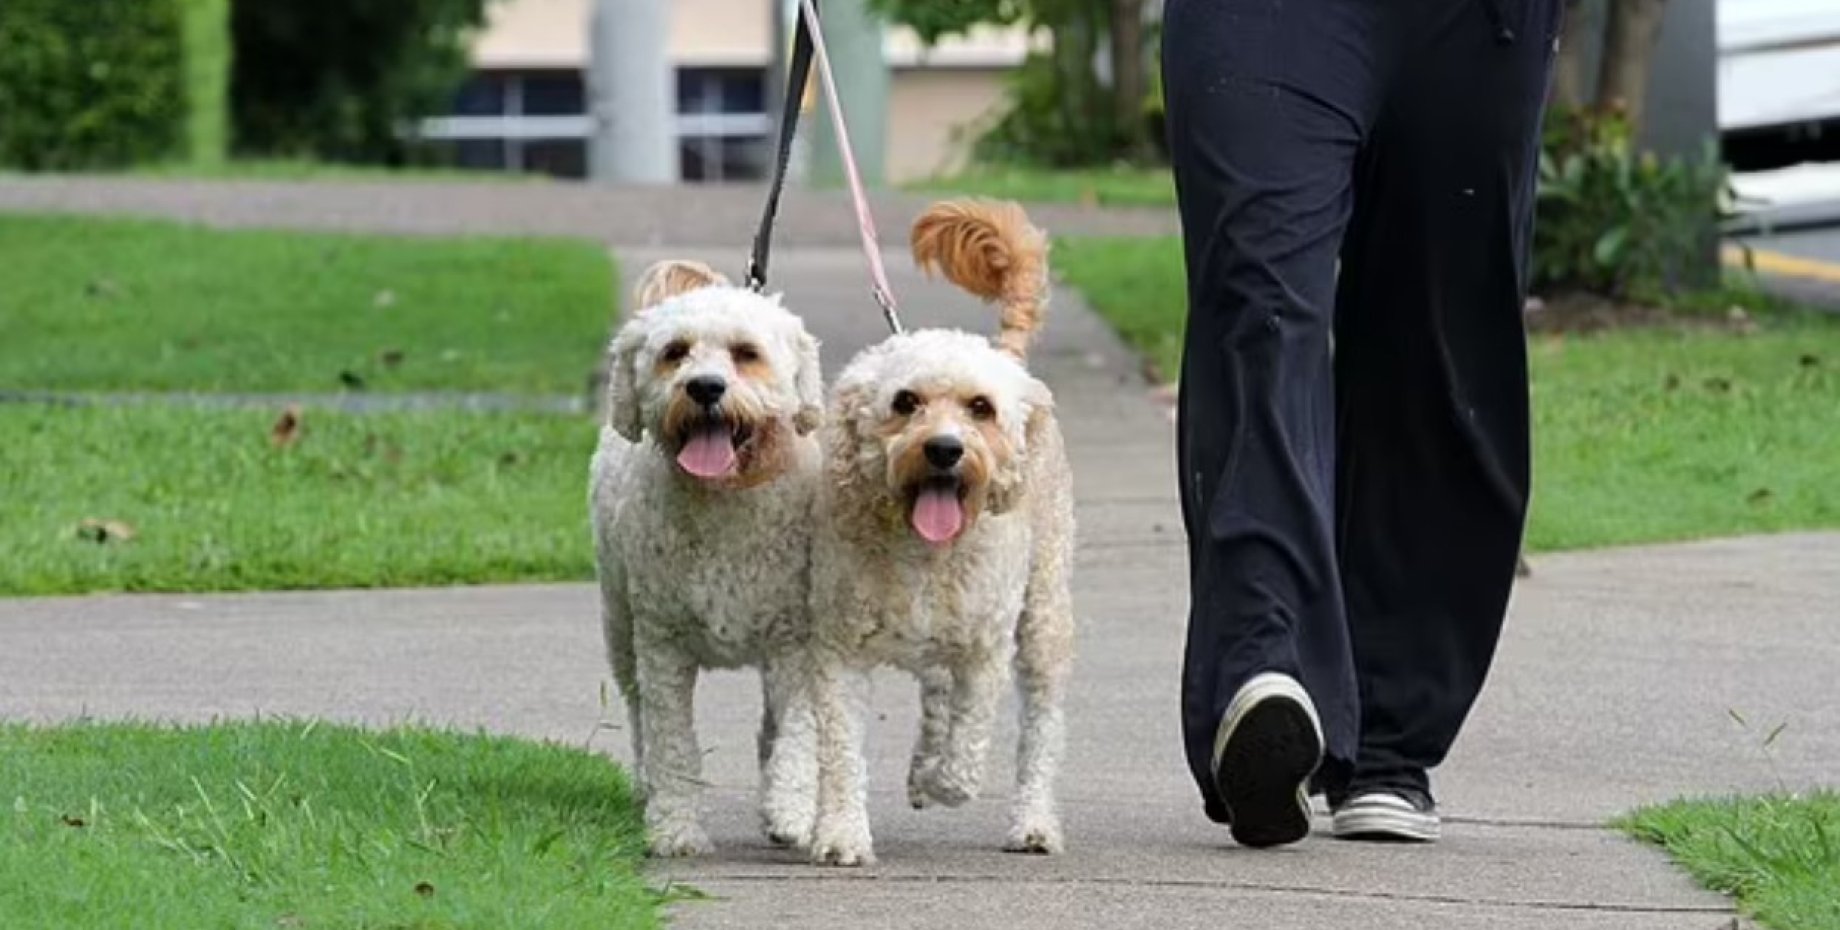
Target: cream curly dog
(701, 492)
(944, 542)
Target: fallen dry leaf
(104, 531)
(286, 430)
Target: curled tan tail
(990, 249)
(667, 279)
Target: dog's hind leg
(1044, 658)
(788, 755)
(673, 763)
(935, 726)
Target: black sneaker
(1268, 745)
(1387, 815)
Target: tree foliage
(339, 79)
(933, 20)
(98, 84)
(1061, 112)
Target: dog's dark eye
(745, 354)
(676, 351)
(905, 403)
(981, 408)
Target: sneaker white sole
(1268, 745)
(1385, 817)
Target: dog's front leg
(1043, 659)
(841, 833)
(673, 763)
(935, 726)
(977, 681)
(788, 753)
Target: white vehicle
(1779, 67)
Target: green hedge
(111, 83)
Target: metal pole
(854, 38)
(777, 62)
(632, 93)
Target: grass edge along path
(1777, 855)
(306, 824)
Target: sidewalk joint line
(1256, 887)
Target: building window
(723, 128)
(537, 121)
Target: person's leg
(1431, 374)
(1267, 105)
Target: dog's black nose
(944, 451)
(706, 389)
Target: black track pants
(1354, 452)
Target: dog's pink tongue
(938, 516)
(710, 453)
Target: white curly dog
(944, 543)
(701, 493)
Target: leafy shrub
(91, 84)
(1618, 223)
(338, 79)
(1053, 120)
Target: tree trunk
(1128, 76)
(1629, 44)
(1570, 87)
(1075, 44)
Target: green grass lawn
(1639, 435)
(266, 825)
(1778, 856)
(94, 304)
(1107, 187)
(358, 500)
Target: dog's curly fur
(712, 571)
(954, 611)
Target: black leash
(797, 73)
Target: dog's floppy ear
(808, 380)
(1038, 409)
(623, 384)
(669, 278)
(842, 447)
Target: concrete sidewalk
(1614, 688)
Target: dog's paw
(848, 847)
(786, 829)
(946, 785)
(1039, 836)
(919, 772)
(679, 841)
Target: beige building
(524, 107)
